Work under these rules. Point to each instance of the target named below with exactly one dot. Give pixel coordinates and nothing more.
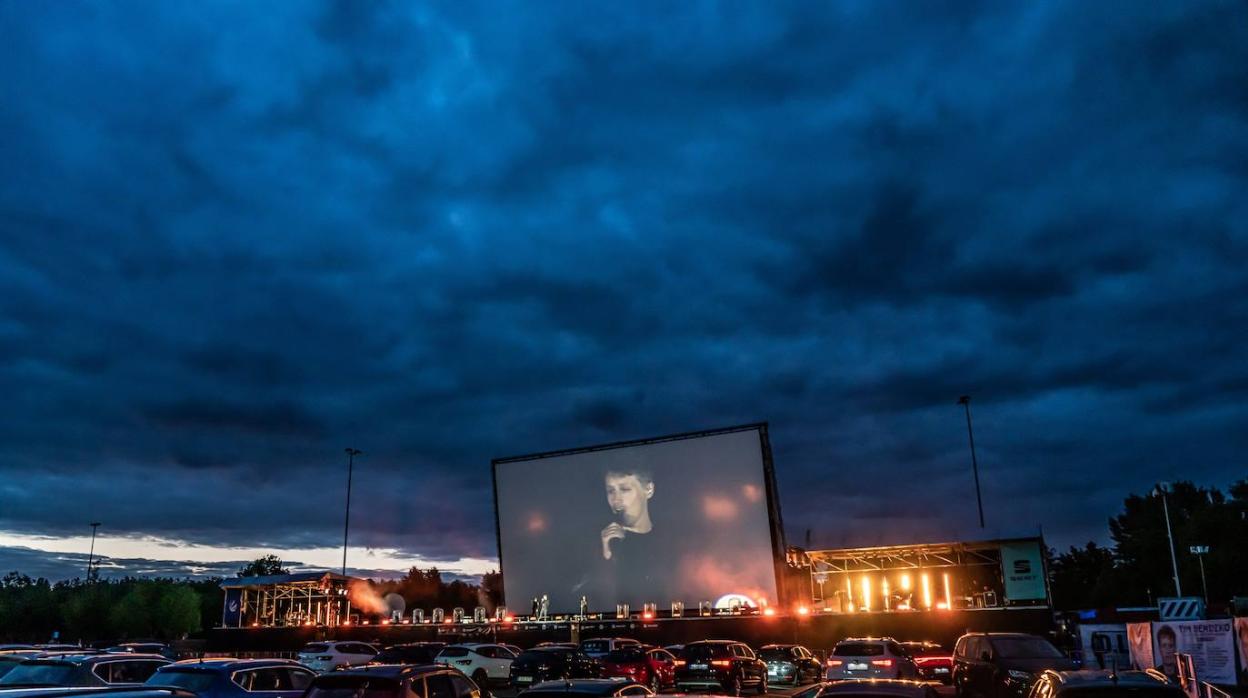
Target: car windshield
(190, 679)
(1024, 648)
(698, 653)
(7, 664)
(315, 648)
(775, 654)
(859, 649)
(43, 673)
(353, 687)
(625, 655)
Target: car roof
(231, 663)
(93, 691)
(393, 671)
(778, 646)
(77, 658)
(595, 686)
(868, 639)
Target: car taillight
(881, 662)
(835, 662)
(721, 662)
(463, 661)
(678, 662)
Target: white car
(485, 664)
(328, 656)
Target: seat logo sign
(1022, 567)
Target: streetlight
(1160, 490)
(91, 557)
(346, 525)
(1200, 551)
(965, 401)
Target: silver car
(870, 658)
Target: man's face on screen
(627, 497)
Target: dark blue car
(236, 678)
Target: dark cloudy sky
(236, 238)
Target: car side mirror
(986, 656)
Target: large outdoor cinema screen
(688, 518)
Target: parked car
(545, 663)
(870, 688)
(653, 666)
(393, 681)
(870, 658)
(1104, 684)
(328, 656)
(84, 670)
(599, 647)
(791, 664)
(935, 663)
(236, 678)
(409, 653)
(597, 688)
(487, 664)
(99, 692)
(1003, 665)
(720, 664)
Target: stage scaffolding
(308, 598)
(906, 577)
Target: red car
(652, 666)
(935, 662)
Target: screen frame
(774, 519)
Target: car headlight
(1019, 675)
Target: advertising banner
(232, 616)
(1023, 571)
(1140, 639)
(1241, 641)
(1210, 642)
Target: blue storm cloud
(234, 240)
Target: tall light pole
(965, 401)
(1160, 489)
(1200, 551)
(91, 557)
(346, 525)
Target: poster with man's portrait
(1211, 643)
(1140, 641)
(1241, 642)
